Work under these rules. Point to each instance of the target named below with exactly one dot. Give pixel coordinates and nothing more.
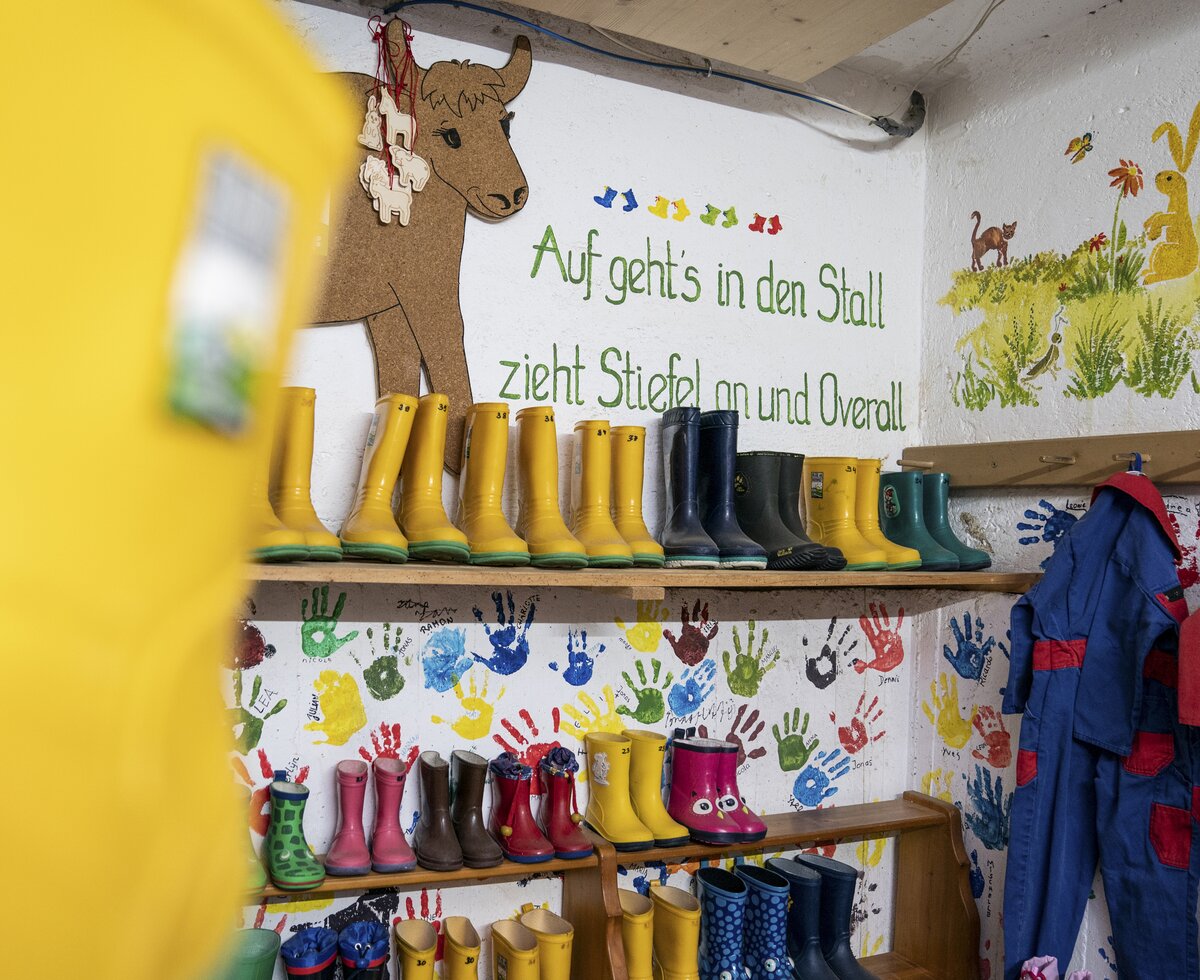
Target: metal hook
(914, 464)
(1135, 460)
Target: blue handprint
(1054, 524)
(579, 664)
(1109, 959)
(815, 782)
(971, 652)
(510, 642)
(444, 658)
(977, 882)
(692, 690)
(992, 809)
(641, 882)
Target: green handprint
(382, 675)
(247, 726)
(650, 707)
(793, 753)
(748, 670)
(317, 639)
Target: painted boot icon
(659, 207)
(774, 226)
(605, 200)
(758, 224)
(681, 210)
(731, 218)
(631, 202)
(710, 215)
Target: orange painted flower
(1097, 242)
(1128, 177)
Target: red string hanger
(397, 81)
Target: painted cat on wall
(992, 238)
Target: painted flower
(1097, 242)
(1128, 177)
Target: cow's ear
(397, 44)
(516, 73)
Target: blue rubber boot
(936, 497)
(722, 911)
(764, 940)
(718, 449)
(902, 519)
(804, 920)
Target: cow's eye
(453, 140)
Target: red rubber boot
(559, 818)
(512, 821)
(694, 794)
(730, 798)
(389, 847)
(348, 853)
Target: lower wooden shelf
(892, 966)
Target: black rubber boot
(838, 881)
(791, 469)
(718, 447)
(756, 497)
(684, 542)
(804, 920)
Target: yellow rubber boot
(648, 752)
(291, 495)
(866, 516)
(551, 545)
(829, 485)
(370, 531)
(555, 936)
(637, 932)
(591, 519)
(423, 520)
(628, 475)
(514, 952)
(610, 809)
(676, 934)
(416, 947)
(272, 540)
(460, 953)
(481, 488)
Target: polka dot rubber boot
(764, 943)
(290, 861)
(722, 911)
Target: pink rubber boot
(694, 794)
(389, 847)
(348, 853)
(731, 801)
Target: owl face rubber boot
(291, 492)
(838, 882)
(555, 937)
(628, 476)
(460, 954)
(676, 933)
(866, 516)
(468, 774)
(416, 948)
(722, 911)
(764, 941)
(422, 516)
(591, 507)
(514, 952)
(730, 799)
(559, 817)
(290, 861)
(648, 753)
(481, 488)
(830, 485)
(685, 543)
(756, 499)
(370, 531)
(434, 841)
(389, 847)
(718, 450)
(637, 933)
(902, 517)
(936, 509)
(540, 523)
(791, 472)
(348, 853)
(512, 823)
(273, 541)
(694, 797)
(610, 809)
(311, 953)
(363, 950)
(804, 920)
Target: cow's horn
(516, 73)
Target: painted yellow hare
(1177, 254)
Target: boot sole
(301, 886)
(973, 567)
(391, 869)
(691, 561)
(528, 858)
(500, 558)
(901, 565)
(637, 845)
(648, 561)
(324, 554)
(867, 566)
(573, 855)
(563, 559)
(279, 554)
(439, 865)
(483, 864)
(750, 563)
(375, 552)
(449, 551)
(348, 872)
(617, 562)
(670, 842)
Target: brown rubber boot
(435, 843)
(468, 772)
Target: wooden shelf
(893, 966)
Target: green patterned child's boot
(292, 864)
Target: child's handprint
(989, 820)
(342, 711)
(693, 689)
(476, 720)
(444, 659)
(694, 635)
(870, 852)
(814, 785)
(937, 782)
(855, 736)
(510, 641)
(260, 796)
(250, 648)
(646, 634)
(387, 744)
(579, 665)
(650, 707)
(977, 879)
(971, 650)
(749, 668)
(592, 718)
(317, 639)
(1189, 567)
(529, 752)
(996, 739)
(793, 753)
(382, 675)
(641, 882)
(1054, 524)
(954, 729)
(431, 915)
(821, 670)
(247, 726)
(883, 638)
(742, 733)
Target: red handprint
(751, 728)
(1189, 566)
(260, 798)
(434, 917)
(261, 914)
(249, 648)
(694, 635)
(529, 752)
(995, 737)
(855, 736)
(387, 744)
(884, 639)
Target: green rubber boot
(252, 956)
(291, 862)
(936, 497)
(901, 514)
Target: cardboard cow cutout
(401, 275)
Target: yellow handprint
(592, 719)
(870, 852)
(870, 944)
(477, 720)
(937, 782)
(342, 712)
(646, 634)
(954, 729)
